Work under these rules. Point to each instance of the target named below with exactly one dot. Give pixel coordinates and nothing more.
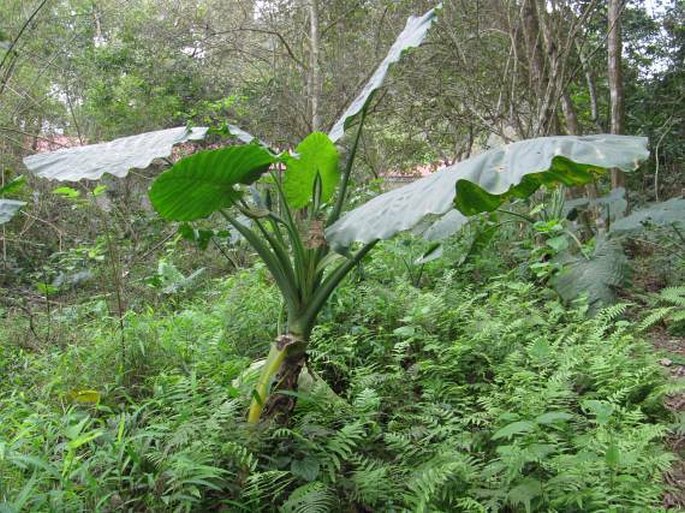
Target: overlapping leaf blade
(9, 208)
(206, 182)
(598, 277)
(659, 214)
(484, 182)
(612, 206)
(412, 36)
(315, 156)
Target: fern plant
(488, 398)
(670, 309)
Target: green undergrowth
(453, 397)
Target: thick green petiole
(261, 391)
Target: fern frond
(314, 497)
(340, 447)
(266, 487)
(439, 481)
(655, 317)
(240, 456)
(373, 482)
(367, 401)
(610, 313)
(673, 295)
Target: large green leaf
(412, 36)
(316, 156)
(9, 208)
(205, 182)
(116, 157)
(445, 226)
(482, 183)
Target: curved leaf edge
(412, 36)
(470, 199)
(559, 169)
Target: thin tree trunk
(615, 79)
(531, 35)
(570, 116)
(314, 71)
(591, 88)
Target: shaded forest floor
(674, 347)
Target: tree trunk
(615, 79)
(572, 127)
(591, 87)
(536, 82)
(314, 72)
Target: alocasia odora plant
(296, 200)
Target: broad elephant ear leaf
(598, 277)
(116, 157)
(659, 214)
(316, 156)
(119, 156)
(414, 33)
(482, 183)
(9, 208)
(205, 182)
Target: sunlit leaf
(315, 156)
(85, 396)
(99, 190)
(12, 186)
(66, 192)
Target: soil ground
(674, 362)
